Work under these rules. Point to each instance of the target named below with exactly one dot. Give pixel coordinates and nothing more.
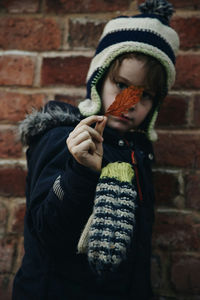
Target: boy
(96, 193)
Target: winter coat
(60, 195)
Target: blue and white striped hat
(148, 33)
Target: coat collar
(53, 114)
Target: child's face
(131, 72)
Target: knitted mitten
(107, 235)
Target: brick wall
(45, 50)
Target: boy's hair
(155, 79)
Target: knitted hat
(148, 33)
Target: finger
(85, 128)
(81, 150)
(98, 153)
(86, 122)
(77, 131)
(90, 120)
(82, 136)
(101, 125)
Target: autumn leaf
(125, 100)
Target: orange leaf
(125, 100)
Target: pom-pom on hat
(148, 33)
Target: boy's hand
(85, 142)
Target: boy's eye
(121, 85)
(147, 95)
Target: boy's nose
(132, 108)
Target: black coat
(51, 267)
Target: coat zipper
(135, 167)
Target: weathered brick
(65, 70)
(197, 111)
(7, 248)
(166, 188)
(19, 253)
(3, 217)
(36, 34)
(10, 146)
(159, 274)
(14, 106)
(175, 231)
(84, 32)
(156, 271)
(185, 273)
(17, 221)
(73, 100)
(5, 286)
(16, 70)
(12, 181)
(85, 6)
(188, 71)
(173, 112)
(185, 4)
(193, 191)
(21, 6)
(188, 31)
(178, 150)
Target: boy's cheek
(107, 101)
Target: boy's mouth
(125, 119)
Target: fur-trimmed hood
(52, 115)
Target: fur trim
(51, 116)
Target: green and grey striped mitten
(107, 235)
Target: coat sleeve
(60, 192)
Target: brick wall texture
(45, 50)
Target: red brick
(175, 231)
(5, 287)
(173, 112)
(15, 106)
(188, 72)
(73, 100)
(16, 70)
(36, 34)
(185, 273)
(197, 111)
(10, 146)
(156, 272)
(21, 6)
(19, 253)
(17, 222)
(65, 70)
(3, 218)
(166, 188)
(193, 191)
(12, 181)
(185, 4)
(178, 150)
(188, 31)
(7, 248)
(159, 274)
(85, 6)
(83, 33)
